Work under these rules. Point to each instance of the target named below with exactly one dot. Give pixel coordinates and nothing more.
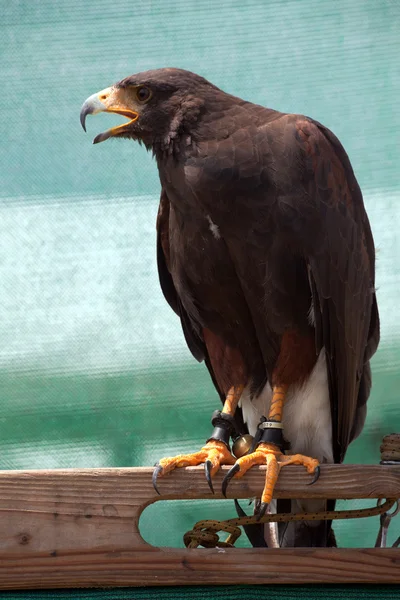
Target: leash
(205, 533)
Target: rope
(390, 448)
(205, 533)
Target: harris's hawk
(266, 254)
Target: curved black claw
(231, 473)
(262, 510)
(207, 470)
(239, 509)
(157, 470)
(254, 532)
(317, 473)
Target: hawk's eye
(143, 94)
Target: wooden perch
(80, 528)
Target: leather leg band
(224, 427)
(270, 432)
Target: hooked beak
(108, 100)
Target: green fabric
(90, 352)
(253, 592)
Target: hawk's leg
(269, 452)
(216, 452)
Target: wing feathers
(341, 264)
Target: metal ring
(270, 425)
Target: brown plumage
(264, 247)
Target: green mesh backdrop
(90, 353)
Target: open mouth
(119, 129)
(106, 101)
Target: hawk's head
(159, 104)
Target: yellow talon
(274, 459)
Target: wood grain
(74, 528)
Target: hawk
(265, 253)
